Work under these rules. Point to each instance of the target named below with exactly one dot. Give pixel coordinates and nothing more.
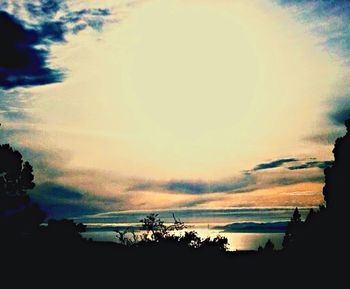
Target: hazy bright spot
(188, 89)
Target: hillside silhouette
(313, 250)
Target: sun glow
(188, 89)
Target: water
(237, 241)
(207, 223)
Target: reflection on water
(244, 241)
(237, 241)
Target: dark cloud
(312, 164)
(274, 164)
(25, 43)
(96, 24)
(53, 31)
(61, 202)
(340, 111)
(22, 63)
(94, 12)
(79, 27)
(59, 11)
(64, 202)
(44, 7)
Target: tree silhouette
(16, 178)
(63, 232)
(321, 226)
(18, 215)
(337, 177)
(127, 237)
(293, 229)
(159, 231)
(269, 246)
(219, 242)
(191, 239)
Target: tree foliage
(293, 229)
(18, 214)
(157, 232)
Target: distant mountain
(253, 227)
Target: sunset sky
(157, 104)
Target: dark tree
(318, 233)
(16, 177)
(337, 177)
(218, 243)
(159, 231)
(18, 215)
(152, 224)
(269, 246)
(293, 230)
(191, 239)
(63, 232)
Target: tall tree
(18, 215)
(294, 228)
(337, 177)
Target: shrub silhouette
(192, 239)
(163, 236)
(62, 232)
(217, 243)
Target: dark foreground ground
(100, 265)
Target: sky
(133, 105)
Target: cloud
(310, 10)
(62, 12)
(13, 105)
(69, 193)
(51, 22)
(22, 63)
(273, 164)
(57, 200)
(312, 164)
(187, 187)
(201, 187)
(60, 201)
(25, 41)
(327, 137)
(44, 7)
(329, 21)
(251, 180)
(340, 111)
